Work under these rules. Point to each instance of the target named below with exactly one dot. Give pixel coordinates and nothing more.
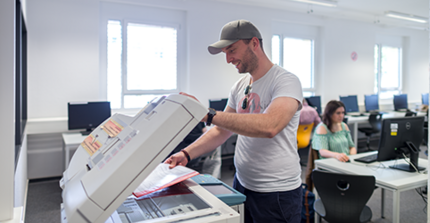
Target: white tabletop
(73, 138)
(71, 143)
(390, 114)
(386, 178)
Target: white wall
(64, 52)
(7, 111)
(342, 75)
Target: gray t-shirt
(263, 164)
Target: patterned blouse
(339, 141)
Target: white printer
(120, 153)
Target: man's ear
(255, 43)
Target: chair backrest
(312, 156)
(304, 133)
(375, 120)
(344, 196)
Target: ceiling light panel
(327, 3)
(404, 16)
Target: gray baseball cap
(233, 32)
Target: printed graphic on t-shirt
(254, 105)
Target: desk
(71, 141)
(355, 120)
(386, 178)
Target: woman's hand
(342, 157)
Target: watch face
(212, 111)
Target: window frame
(379, 89)
(300, 31)
(282, 37)
(135, 13)
(125, 91)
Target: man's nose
(229, 58)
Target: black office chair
(343, 197)
(375, 120)
(410, 113)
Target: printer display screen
(217, 189)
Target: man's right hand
(176, 159)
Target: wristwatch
(211, 114)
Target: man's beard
(249, 62)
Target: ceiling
(371, 11)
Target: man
(263, 109)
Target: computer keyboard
(367, 159)
(354, 114)
(357, 115)
(376, 111)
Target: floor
(44, 199)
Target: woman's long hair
(329, 110)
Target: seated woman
(332, 137)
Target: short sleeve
(287, 84)
(319, 141)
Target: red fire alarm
(354, 56)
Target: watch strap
(211, 115)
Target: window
(293, 48)
(388, 70)
(297, 56)
(142, 55)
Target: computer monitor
(401, 136)
(218, 104)
(87, 115)
(371, 102)
(400, 102)
(315, 101)
(350, 102)
(425, 98)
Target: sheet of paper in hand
(163, 177)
